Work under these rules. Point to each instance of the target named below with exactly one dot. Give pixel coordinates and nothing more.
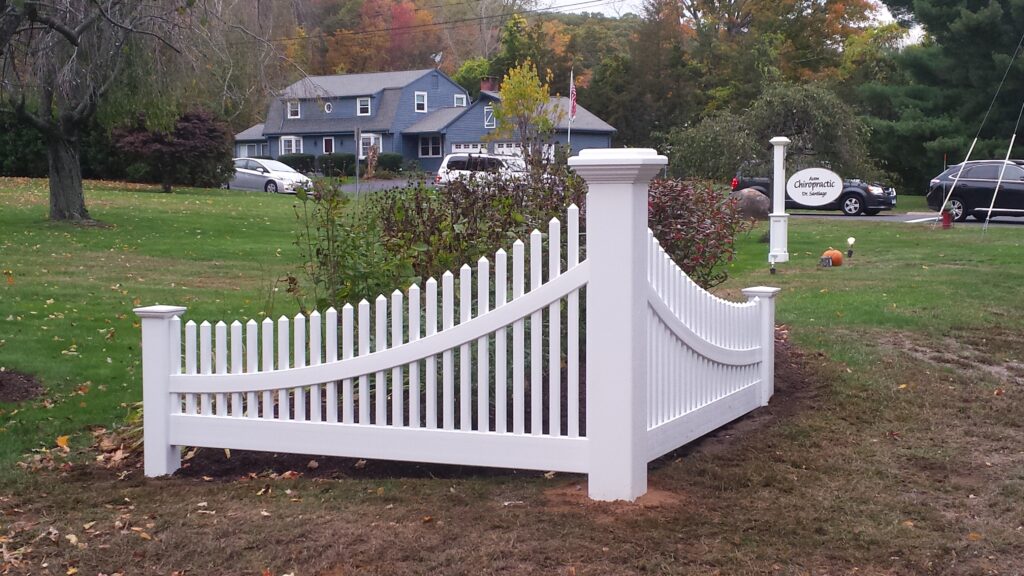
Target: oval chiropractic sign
(814, 187)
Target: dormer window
(293, 109)
(363, 106)
(460, 100)
(421, 101)
(489, 117)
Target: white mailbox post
(779, 231)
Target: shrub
(305, 163)
(344, 258)
(197, 152)
(390, 162)
(696, 226)
(445, 227)
(337, 164)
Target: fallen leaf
(72, 570)
(72, 539)
(998, 392)
(313, 465)
(290, 474)
(974, 536)
(88, 525)
(902, 386)
(62, 441)
(380, 491)
(908, 523)
(360, 464)
(549, 475)
(264, 513)
(427, 519)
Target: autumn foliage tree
(526, 111)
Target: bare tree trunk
(67, 202)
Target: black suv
(973, 192)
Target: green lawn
(891, 447)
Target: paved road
(922, 218)
(374, 185)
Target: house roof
(254, 132)
(585, 119)
(380, 121)
(342, 85)
(436, 121)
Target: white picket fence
(487, 370)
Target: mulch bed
(17, 387)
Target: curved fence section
(704, 356)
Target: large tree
(68, 62)
(967, 61)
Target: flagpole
(572, 109)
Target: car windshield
(277, 166)
(515, 163)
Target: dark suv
(975, 187)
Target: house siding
(438, 97)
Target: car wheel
(957, 208)
(872, 212)
(271, 187)
(853, 205)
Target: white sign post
(779, 231)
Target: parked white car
(467, 165)
(266, 175)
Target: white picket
(347, 349)
(283, 363)
(364, 349)
(518, 360)
(331, 355)
(554, 332)
(237, 366)
(431, 367)
(414, 368)
(397, 377)
(465, 360)
(315, 356)
(190, 363)
(536, 340)
(381, 343)
(447, 370)
(268, 365)
(483, 349)
(299, 361)
(573, 329)
(500, 345)
(205, 365)
(178, 400)
(252, 364)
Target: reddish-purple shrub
(696, 226)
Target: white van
(467, 165)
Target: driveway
(375, 185)
(915, 218)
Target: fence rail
(484, 369)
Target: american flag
(572, 97)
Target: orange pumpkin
(835, 255)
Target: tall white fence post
(161, 356)
(617, 241)
(779, 221)
(765, 297)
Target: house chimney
(488, 84)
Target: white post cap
(599, 165)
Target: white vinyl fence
(487, 368)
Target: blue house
(421, 114)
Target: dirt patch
(17, 386)
(574, 497)
(993, 352)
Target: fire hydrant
(947, 219)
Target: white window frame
(326, 140)
(416, 102)
(430, 141)
(250, 150)
(359, 106)
(460, 101)
(471, 147)
(328, 107)
(489, 120)
(366, 140)
(296, 142)
(294, 110)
